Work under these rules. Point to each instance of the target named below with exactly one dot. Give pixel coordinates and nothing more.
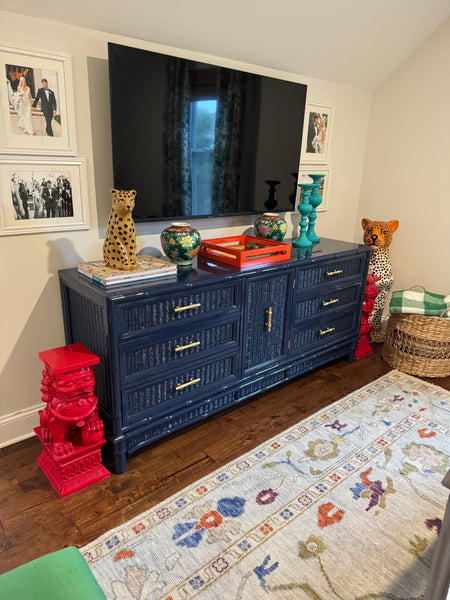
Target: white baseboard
(19, 426)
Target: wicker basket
(418, 345)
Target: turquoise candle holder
(315, 199)
(304, 208)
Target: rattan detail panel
(183, 418)
(87, 324)
(161, 397)
(326, 302)
(138, 318)
(322, 332)
(136, 361)
(261, 384)
(314, 361)
(260, 344)
(329, 272)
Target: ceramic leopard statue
(119, 247)
(378, 235)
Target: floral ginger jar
(180, 242)
(271, 227)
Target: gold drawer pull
(332, 301)
(181, 386)
(188, 307)
(191, 345)
(325, 331)
(330, 273)
(269, 319)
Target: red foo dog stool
(71, 432)
(363, 347)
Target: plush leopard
(378, 235)
(119, 247)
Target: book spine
(91, 276)
(109, 282)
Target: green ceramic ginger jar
(271, 227)
(180, 242)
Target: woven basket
(418, 345)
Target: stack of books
(147, 267)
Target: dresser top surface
(205, 271)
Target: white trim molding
(18, 426)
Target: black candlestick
(271, 203)
(293, 194)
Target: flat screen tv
(200, 140)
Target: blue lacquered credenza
(178, 349)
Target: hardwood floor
(35, 521)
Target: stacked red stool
(70, 430)
(363, 347)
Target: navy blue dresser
(178, 349)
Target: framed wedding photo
(317, 133)
(324, 184)
(36, 101)
(42, 195)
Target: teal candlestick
(304, 209)
(304, 252)
(315, 199)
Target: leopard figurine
(378, 235)
(119, 247)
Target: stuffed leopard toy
(378, 235)
(119, 247)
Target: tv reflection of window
(203, 119)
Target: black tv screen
(198, 140)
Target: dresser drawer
(145, 316)
(182, 387)
(330, 272)
(141, 357)
(336, 296)
(322, 331)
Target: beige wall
(30, 312)
(407, 165)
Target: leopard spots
(119, 247)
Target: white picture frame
(49, 127)
(42, 195)
(323, 187)
(316, 133)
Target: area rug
(346, 504)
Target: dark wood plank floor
(35, 521)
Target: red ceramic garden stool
(363, 347)
(70, 429)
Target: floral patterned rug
(344, 505)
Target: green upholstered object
(61, 575)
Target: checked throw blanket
(419, 302)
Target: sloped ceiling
(352, 42)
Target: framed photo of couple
(36, 100)
(40, 195)
(317, 133)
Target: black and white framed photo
(317, 133)
(42, 195)
(324, 184)
(36, 99)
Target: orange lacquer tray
(245, 250)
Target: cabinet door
(264, 334)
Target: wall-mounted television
(200, 140)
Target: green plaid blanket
(419, 302)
